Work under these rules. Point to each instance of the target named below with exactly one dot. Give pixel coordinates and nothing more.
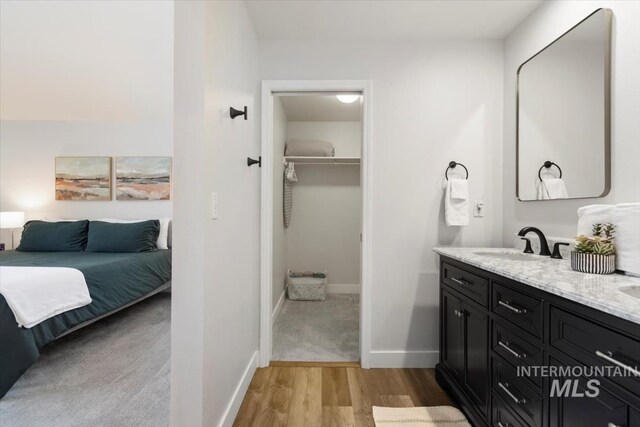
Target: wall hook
(251, 162)
(235, 113)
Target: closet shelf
(308, 160)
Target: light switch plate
(478, 208)
(214, 205)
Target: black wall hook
(235, 113)
(452, 165)
(251, 162)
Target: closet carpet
(114, 372)
(325, 331)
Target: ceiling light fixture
(348, 99)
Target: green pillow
(63, 236)
(123, 237)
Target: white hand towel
(627, 221)
(553, 188)
(456, 205)
(593, 214)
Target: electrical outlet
(214, 205)
(478, 208)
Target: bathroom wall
(550, 20)
(215, 302)
(432, 102)
(280, 264)
(324, 234)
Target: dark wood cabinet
(492, 329)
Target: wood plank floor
(331, 396)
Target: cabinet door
(476, 353)
(452, 338)
(572, 406)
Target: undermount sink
(632, 291)
(512, 256)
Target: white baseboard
(231, 412)
(336, 288)
(278, 307)
(403, 359)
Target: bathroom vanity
(508, 319)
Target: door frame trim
(269, 87)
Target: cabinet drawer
(502, 415)
(516, 349)
(521, 398)
(520, 309)
(469, 284)
(595, 345)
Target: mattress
(113, 279)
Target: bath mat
(431, 416)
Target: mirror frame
(608, 18)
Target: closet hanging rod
(302, 160)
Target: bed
(115, 281)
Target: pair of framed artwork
(89, 178)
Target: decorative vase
(593, 263)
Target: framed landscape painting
(83, 178)
(143, 178)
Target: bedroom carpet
(325, 331)
(114, 372)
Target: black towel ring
(547, 165)
(452, 165)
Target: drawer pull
(512, 308)
(612, 425)
(507, 424)
(609, 358)
(458, 313)
(461, 281)
(505, 387)
(512, 351)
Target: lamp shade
(11, 219)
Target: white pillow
(163, 236)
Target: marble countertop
(601, 292)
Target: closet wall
(325, 226)
(324, 233)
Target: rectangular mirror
(563, 115)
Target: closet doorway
(315, 222)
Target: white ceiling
(95, 60)
(387, 19)
(320, 108)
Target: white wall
(432, 102)
(345, 136)
(550, 20)
(324, 234)
(279, 232)
(72, 86)
(216, 262)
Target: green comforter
(114, 279)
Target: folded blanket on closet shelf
(35, 294)
(308, 147)
(627, 221)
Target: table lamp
(11, 221)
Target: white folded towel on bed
(35, 294)
(456, 205)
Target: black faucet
(544, 247)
